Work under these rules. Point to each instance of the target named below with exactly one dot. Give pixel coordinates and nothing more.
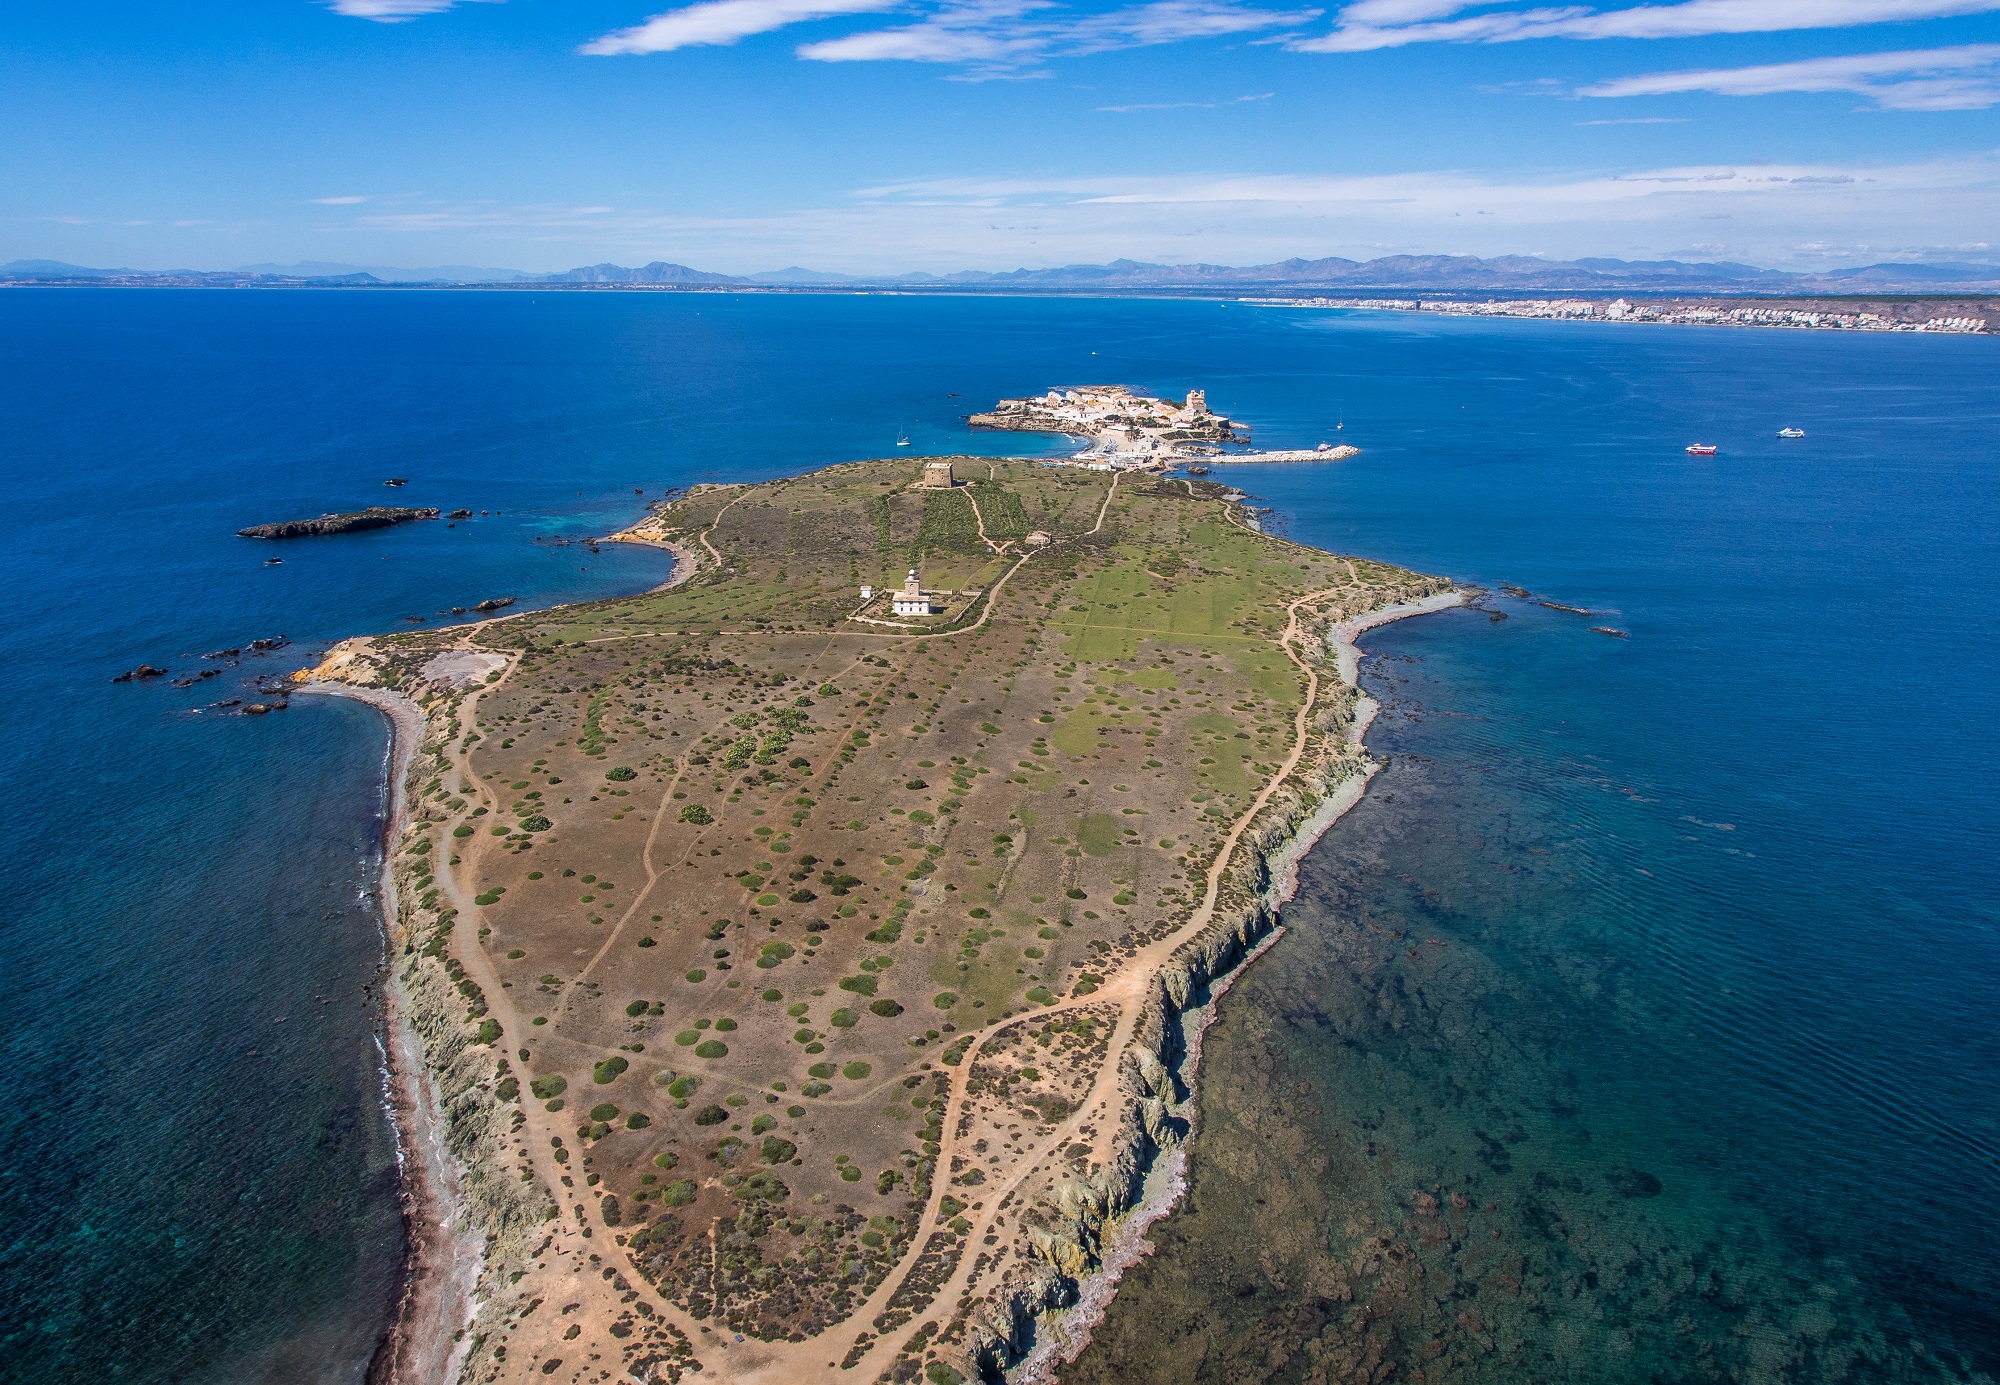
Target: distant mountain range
(1394, 274)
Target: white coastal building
(912, 600)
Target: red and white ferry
(1701, 449)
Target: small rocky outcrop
(374, 517)
(140, 673)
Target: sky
(872, 136)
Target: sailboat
(903, 438)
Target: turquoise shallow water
(1785, 1023)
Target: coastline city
(1823, 317)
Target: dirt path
(980, 520)
(569, 1233)
(715, 523)
(1128, 990)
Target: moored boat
(1791, 432)
(1701, 449)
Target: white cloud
(1934, 79)
(391, 11)
(1797, 215)
(1001, 35)
(1372, 24)
(722, 22)
(337, 201)
(1189, 105)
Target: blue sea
(1676, 950)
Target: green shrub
(665, 1160)
(638, 1120)
(725, 1024)
(681, 1088)
(1074, 893)
(549, 1085)
(609, 1209)
(462, 831)
(710, 1115)
(850, 1173)
(855, 1071)
(621, 773)
(821, 1070)
(696, 814)
(944, 1000)
(489, 1031)
(843, 1019)
(1040, 996)
(777, 1151)
(713, 1048)
(607, 1071)
(636, 1009)
(688, 1038)
(696, 976)
(860, 985)
(537, 823)
(885, 1007)
(678, 1193)
(604, 1111)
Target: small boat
(1791, 432)
(902, 440)
(1701, 449)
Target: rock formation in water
(374, 517)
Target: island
(348, 522)
(799, 964)
(1130, 430)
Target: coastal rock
(374, 517)
(459, 514)
(497, 603)
(141, 672)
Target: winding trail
(1128, 990)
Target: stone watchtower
(938, 474)
(1197, 403)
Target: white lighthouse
(912, 599)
